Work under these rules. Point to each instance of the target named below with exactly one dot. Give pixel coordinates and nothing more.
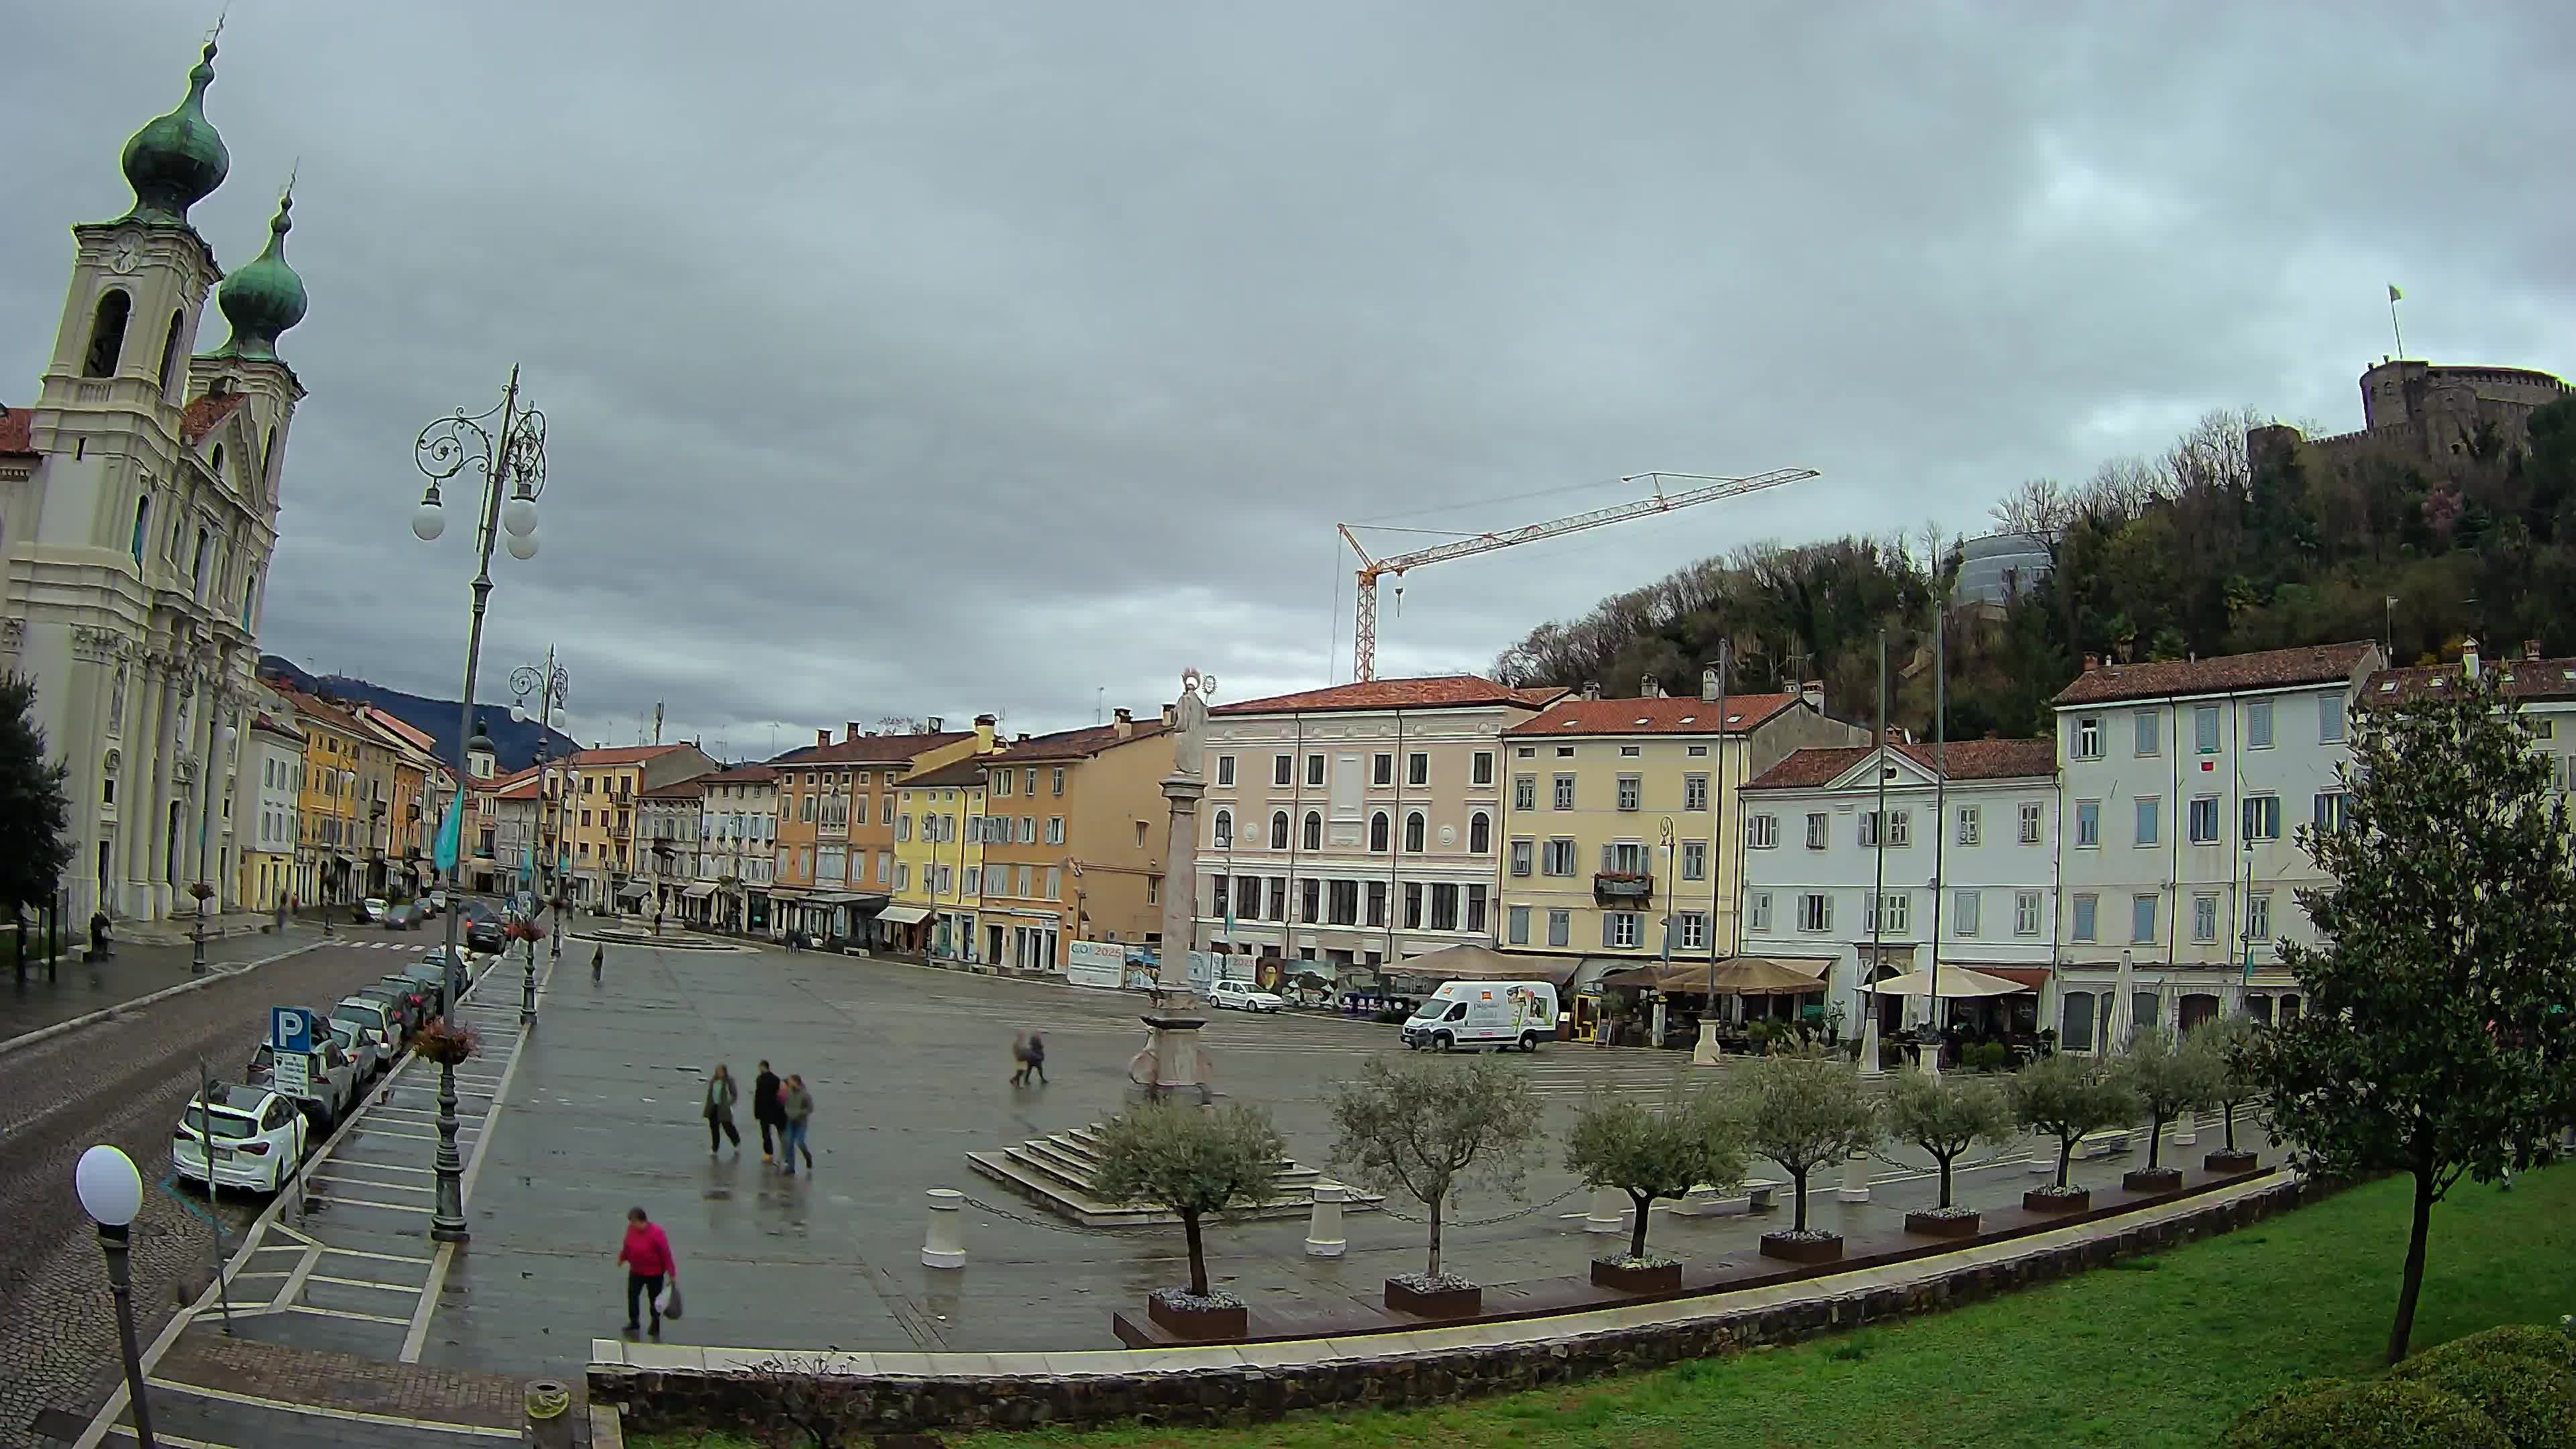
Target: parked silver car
(360, 1044)
(331, 1072)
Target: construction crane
(1364, 648)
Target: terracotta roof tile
(871, 749)
(623, 754)
(967, 773)
(2546, 679)
(1443, 691)
(320, 708)
(208, 413)
(17, 432)
(692, 788)
(1079, 744)
(265, 722)
(1661, 716)
(743, 775)
(1963, 760)
(2270, 669)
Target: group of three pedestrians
(783, 1107)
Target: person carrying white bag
(652, 1274)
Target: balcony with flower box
(1623, 887)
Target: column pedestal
(1175, 1049)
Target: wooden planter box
(1211, 1324)
(2151, 1179)
(1939, 1227)
(2039, 1201)
(1802, 1250)
(1609, 1273)
(2225, 1161)
(1464, 1302)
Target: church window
(107, 334)
(142, 515)
(219, 462)
(170, 351)
(250, 596)
(197, 570)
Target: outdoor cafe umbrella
(1737, 976)
(1957, 983)
(2124, 1006)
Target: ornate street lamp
(507, 446)
(553, 688)
(111, 1192)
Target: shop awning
(1734, 976)
(904, 915)
(700, 891)
(1476, 963)
(841, 898)
(1957, 982)
(633, 892)
(2031, 978)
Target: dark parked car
(482, 927)
(422, 996)
(398, 918)
(403, 1006)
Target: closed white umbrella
(2123, 1005)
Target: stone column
(1175, 1031)
(141, 811)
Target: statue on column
(1189, 722)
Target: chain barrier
(1447, 1223)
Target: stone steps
(1058, 1172)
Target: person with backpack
(764, 1108)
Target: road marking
(391, 1207)
(173, 1440)
(418, 1333)
(309, 1311)
(378, 1257)
(366, 1283)
(365, 1182)
(326, 1411)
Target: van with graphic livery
(1471, 1015)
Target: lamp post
(553, 688)
(111, 1192)
(507, 445)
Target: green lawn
(2159, 1351)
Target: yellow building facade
(1075, 827)
(1621, 820)
(329, 842)
(938, 893)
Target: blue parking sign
(290, 1028)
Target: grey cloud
(932, 360)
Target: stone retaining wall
(664, 1401)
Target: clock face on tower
(125, 258)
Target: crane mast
(1371, 569)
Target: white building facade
(2184, 783)
(667, 825)
(138, 508)
(270, 776)
(1340, 826)
(1963, 869)
(737, 857)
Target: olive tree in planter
(1945, 1116)
(2168, 1079)
(1193, 1161)
(2230, 1045)
(1802, 1110)
(1429, 1128)
(1652, 1152)
(2065, 1096)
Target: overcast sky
(938, 358)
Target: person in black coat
(767, 1110)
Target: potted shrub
(445, 1043)
(1193, 1161)
(1945, 1117)
(2230, 1045)
(1429, 1128)
(1802, 1110)
(1651, 1152)
(2167, 1079)
(2064, 1097)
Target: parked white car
(372, 909)
(1244, 996)
(360, 1044)
(254, 1137)
(372, 1018)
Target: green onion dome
(177, 160)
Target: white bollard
(1706, 1054)
(1324, 1222)
(1855, 1186)
(2187, 1128)
(1928, 1061)
(1609, 1214)
(1869, 1045)
(944, 1246)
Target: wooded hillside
(2196, 551)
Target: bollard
(1609, 1212)
(1324, 1224)
(549, 1414)
(944, 1246)
(1855, 1186)
(1706, 1053)
(2187, 1128)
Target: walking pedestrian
(647, 1256)
(796, 1108)
(598, 958)
(719, 1110)
(1019, 1059)
(98, 948)
(764, 1107)
(1035, 1070)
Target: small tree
(1654, 1152)
(1191, 1160)
(2065, 1096)
(2168, 1079)
(1945, 1116)
(2437, 1042)
(1427, 1128)
(1803, 1110)
(2233, 1046)
(34, 812)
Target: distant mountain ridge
(514, 745)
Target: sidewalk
(80, 987)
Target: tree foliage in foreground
(1190, 1159)
(2065, 1096)
(2438, 1039)
(1803, 1110)
(1650, 1152)
(1945, 1116)
(1430, 1127)
(34, 812)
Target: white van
(1473, 1014)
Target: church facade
(138, 513)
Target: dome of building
(266, 297)
(177, 160)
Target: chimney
(1647, 688)
(984, 731)
(2531, 649)
(2092, 662)
(1592, 689)
(931, 725)
(1021, 738)
(2469, 656)
(1813, 692)
(850, 730)
(822, 737)
(1171, 715)
(1708, 686)
(1124, 722)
